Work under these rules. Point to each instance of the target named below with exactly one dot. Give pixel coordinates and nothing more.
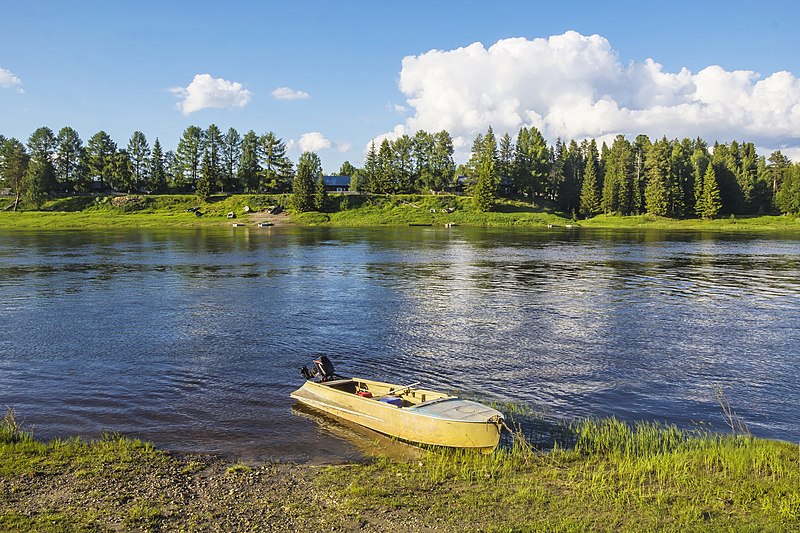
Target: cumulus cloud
(207, 92)
(313, 141)
(9, 81)
(575, 86)
(343, 147)
(286, 93)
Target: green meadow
(347, 210)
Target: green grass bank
(615, 478)
(346, 210)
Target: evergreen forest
(672, 178)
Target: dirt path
(189, 493)
(281, 219)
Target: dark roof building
(336, 183)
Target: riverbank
(653, 478)
(346, 210)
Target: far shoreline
(180, 211)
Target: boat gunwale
(411, 410)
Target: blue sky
(122, 67)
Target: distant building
(336, 183)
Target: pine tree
(570, 190)
(712, 203)
(158, 174)
(505, 157)
(100, 151)
(777, 165)
(70, 171)
(231, 154)
(249, 169)
(139, 153)
(122, 172)
(42, 150)
(590, 190)
(276, 169)
(14, 162)
(442, 165)
(422, 153)
(189, 156)
(309, 171)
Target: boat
(407, 412)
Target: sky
(332, 76)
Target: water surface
(193, 338)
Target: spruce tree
(712, 203)
(657, 190)
(700, 162)
(590, 190)
(370, 178)
(788, 197)
(203, 187)
(320, 195)
(485, 190)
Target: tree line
(673, 178)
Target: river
(193, 338)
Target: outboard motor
(322, 367)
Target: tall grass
(11, 430)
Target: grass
(616, 477)
(759, 223)
(437, 210)
(138, 211)
(352, 211)
(611, 476)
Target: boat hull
(428, 417)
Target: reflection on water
(193, 338)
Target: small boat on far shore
(407, 412)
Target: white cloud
(313, 141)
(343, 147)
(575, 86)
(286, 93)
(206, 92)
(9, 81)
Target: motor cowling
(324, 368)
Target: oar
(403, 389)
